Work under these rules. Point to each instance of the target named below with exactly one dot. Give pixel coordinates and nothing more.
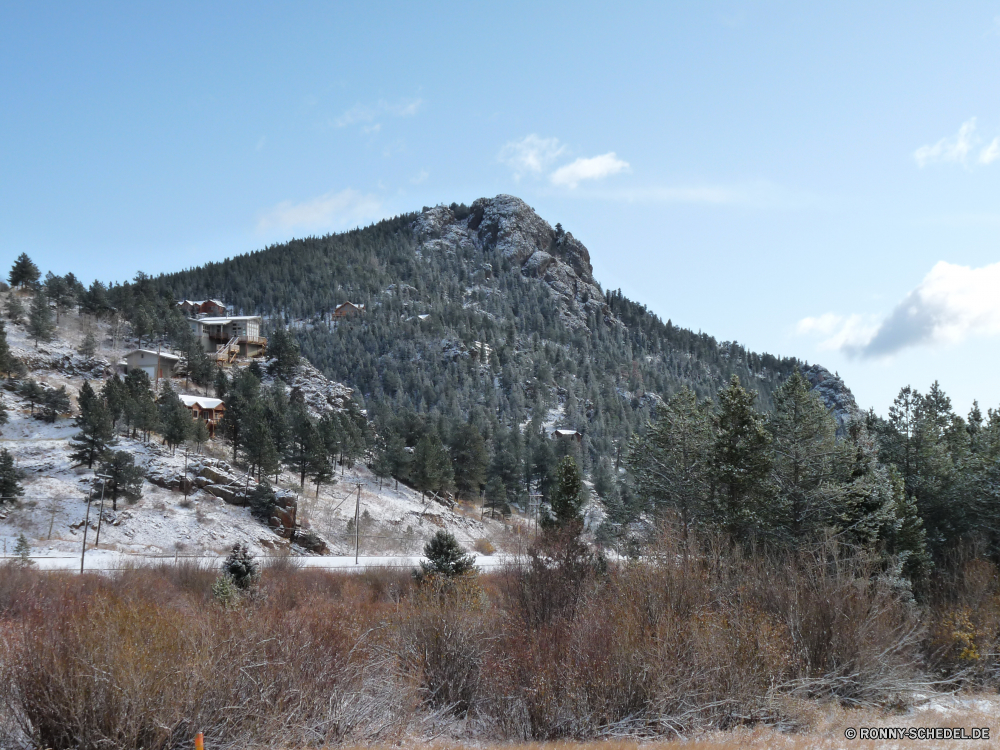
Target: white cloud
(424, 174)
(260, 143)
(991, 153)
(328, 212)
(530, 155)
(952, 149)
(368, 113)
(951, 303)
(594, 168)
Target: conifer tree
(470, 460)
(88, 347)
(54, 401)
(125, 478)
(304, 443)
(96, 433)
(740, 462)
(40, 324)
(24, 272)
(14, 309)
(22, 551)
(566, 499)
(7, 362)
(284, 350)
(174, 418)
(114, 394)
(31, 391)
(432, 468)
(199, 433)
(808, 464)
(10, 485)
(445, 558)
(671, 461)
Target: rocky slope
(507, 224)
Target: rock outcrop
(837, 396)
(508, 225)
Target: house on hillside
(210, 410)
(155, 364)
(567, 435)
(203, 307)
(347, 310)
(230, 338)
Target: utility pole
(86, 523)
(100, 515)
(357, 525)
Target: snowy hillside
(52, 510)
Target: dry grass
(706, 643)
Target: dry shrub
(484, 546)
(964, 637)
(126, 666)
(446, 633)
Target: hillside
(438, 284)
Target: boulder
(216, 477)
(311, 541)
(228, 494)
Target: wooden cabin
(347, 310)
(210, 307)
(210, 410)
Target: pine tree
(97, 433)
(241, 567)
(88, 347)
(809, 465)
(304, 443)
(22, 551)
(125, 478)
(174, 418)
(10, 485)
(284, 350)
(566, 499)
(199, 433)
(115, 396)
(24, 272)
(31, 391)
(445, 558)
(7, 361)
(54, 401)
(431, 464)
(470, 460)
(740, 463)
(671, 461)
(14, 309)
(40, 324)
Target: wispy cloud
(958, 148)
(368, 113)
(991, 153)
(594, 168)
(260, 143)
(328, 212)
(530, 155)
(757, 194)
(951, 303)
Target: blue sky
(810, 181)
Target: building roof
(223, 321)
(346, 304)
(162, 355)
(202, 402)
(567, 433)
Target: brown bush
(129, 666)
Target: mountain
(484, 313)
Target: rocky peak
(509, 225)
(837, 396)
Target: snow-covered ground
(394, 521)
